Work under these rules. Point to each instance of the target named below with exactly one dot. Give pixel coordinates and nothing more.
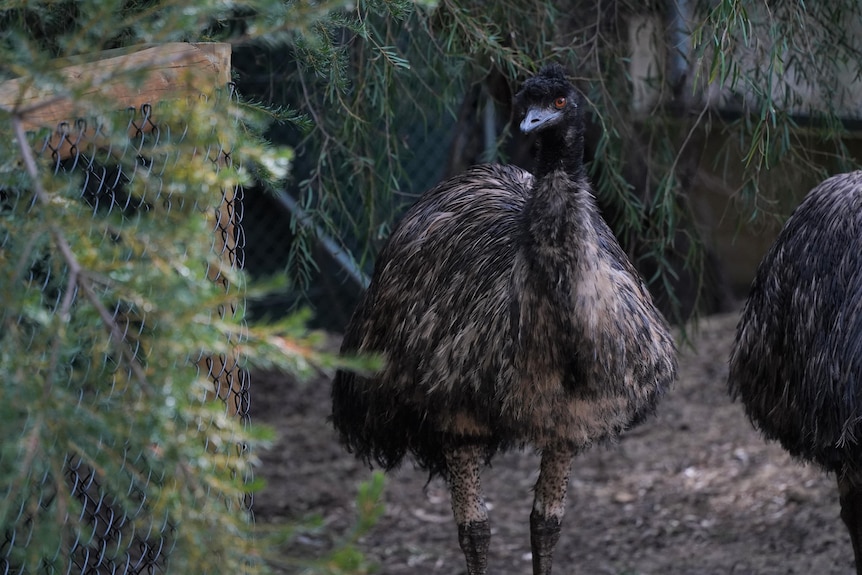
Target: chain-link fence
(120, 538)
(332, 293)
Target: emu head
(552, 109)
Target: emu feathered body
(796, 363)
(508, 315)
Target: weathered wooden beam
(125, 78)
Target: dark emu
(796, 362)
(509, 315)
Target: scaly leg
(850, 495)
(474, 531)
(549, 505)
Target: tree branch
(76, 275)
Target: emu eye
(560, 103)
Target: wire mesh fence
(331, 292)
(122, 531)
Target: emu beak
(536, 118)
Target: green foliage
(105, 314)
(794, 67)
(111, 318)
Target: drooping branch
(77, 275)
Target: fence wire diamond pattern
(120, 540)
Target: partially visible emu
(509, 315)
(796, 363)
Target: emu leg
(850, 495)
(468, 505)
(549, 506)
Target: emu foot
(475, 538)
(544, 534)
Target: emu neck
(561, 151)
(561, 206)
(559, 211)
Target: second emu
(796, 363)
(508, 315)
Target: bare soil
(695, 491)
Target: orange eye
(560, 103)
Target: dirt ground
(694, 491)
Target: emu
(509, 315)
(796, 362)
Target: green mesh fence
(121, 539)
